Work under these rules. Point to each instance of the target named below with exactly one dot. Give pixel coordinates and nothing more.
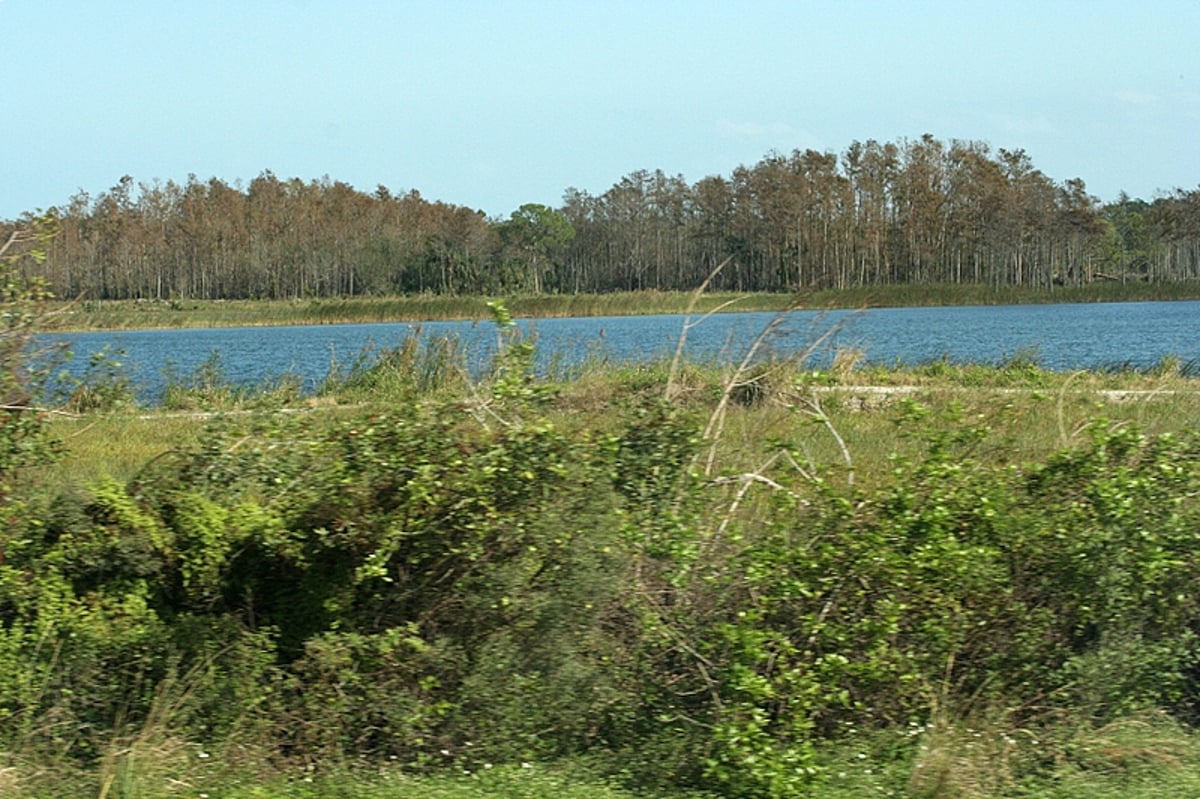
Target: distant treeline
(911, 212)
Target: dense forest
(915, 211)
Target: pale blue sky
(494, 104)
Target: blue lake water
(1061, 337)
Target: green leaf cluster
(449, 587)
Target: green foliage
(513, 383)
(22, 297)
(967, 581)
(457, 582)
(538, 234)
(104, 386)
(470, 541)
(208, 388)
(414, 369)
(989, 581)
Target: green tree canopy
(539, 233)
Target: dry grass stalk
(672, 389)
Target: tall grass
(114, 445)
(1037, 411)
(127, 315)
(417, 367)
(131, 314)
(231, 775)
(975, 294)
(1146, 756)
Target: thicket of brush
(654, 573)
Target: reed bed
(977, 294)
(160, 314)
(177, 313)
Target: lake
(1059, 337)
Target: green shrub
(472, 581)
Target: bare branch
(819, 413)
(13, 238)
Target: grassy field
(845, 416)
(181, 313)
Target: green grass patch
(1036, 411)
(1142, 756)
(165, 774)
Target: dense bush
(469, 582)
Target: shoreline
(82, 316)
